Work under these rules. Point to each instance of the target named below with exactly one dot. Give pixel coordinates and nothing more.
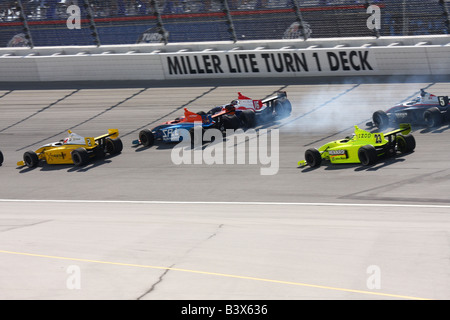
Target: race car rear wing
(279, 95)
(112, 133)
(405, 128)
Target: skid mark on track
(41, 110)
(85, 121)
(6, 93)
(170, 113)
(14, 227)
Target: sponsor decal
(55, 156)
(337, 152)
(170, 134)
(401, 114)
(151, 35)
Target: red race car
(253, 112)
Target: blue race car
(170, 131)
(425, 110)
(243, 112)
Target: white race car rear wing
(279, 95)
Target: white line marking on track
(332, 204)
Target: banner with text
(276, 63)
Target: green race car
(363, 147)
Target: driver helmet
(73, 138)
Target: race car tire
(31, 159)
(313, 157)
(447, 116)
(114, 146)
(229, 122)
(248, 118)
(80, 157)
(283, 109)
(1, 158)
(367, 155)
(406, 143)
(99, 153)
(265, 116)
(234, 121)
(147, 138)
(380, 119)
(433, 117)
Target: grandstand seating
(129, 22)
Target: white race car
(427, 110)
(250, 112)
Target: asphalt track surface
(139, 226)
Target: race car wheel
(447, 116)
(31, 159)
(313, 157)
(367, 155)
(248, 118)
(1, 158)
(433, 117)
(80, 157)
(229, 122)
(113, 146)
(380, 119)
(234, 121)
(283, 108)
(406, 143)
(147, 138)
(99, 153)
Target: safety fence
(38, 23)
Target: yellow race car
(363, 147)
(75, 149)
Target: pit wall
(424, 55)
